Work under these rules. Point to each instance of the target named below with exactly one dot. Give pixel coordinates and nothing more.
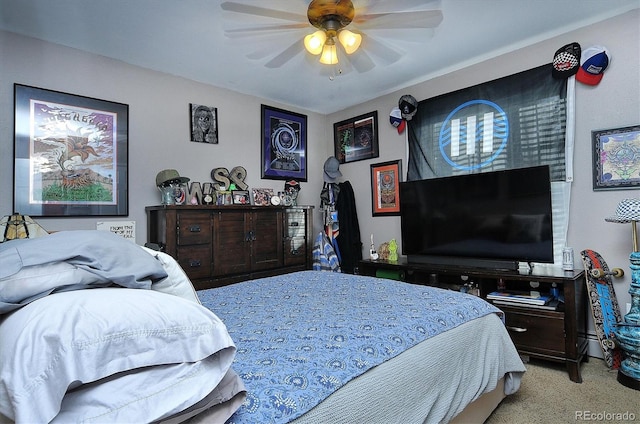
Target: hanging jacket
(349, 243)
(324, 256)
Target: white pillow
(177, 283)
(71, 338)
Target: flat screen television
(486, 220)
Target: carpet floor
(547, 396)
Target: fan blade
(261, 30)
(400, 20)
(382, 6)
(262, 11)
(258, 54)
(380, 50)
(286, 55)
(396, 37)
(361, 61)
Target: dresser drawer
(295, 251)
(194, 228)
(534, 331)
(195, 261)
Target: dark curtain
(511, 122)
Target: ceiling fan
(332, 23)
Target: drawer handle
(194, 229)
(517, 329)
(194, 263)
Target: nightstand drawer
(536, 331)
(194, 229)
(195, 261)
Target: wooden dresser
(219, 245)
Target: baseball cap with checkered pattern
(566, 61)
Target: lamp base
(627, 381)
(627, 333)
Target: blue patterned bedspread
(301, 336)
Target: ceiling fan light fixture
(349, 40)
(329, 54)
(314, 42)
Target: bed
(306, 347)
(318, 347)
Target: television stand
(556, 335)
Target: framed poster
(284, 144)
(616, 158)
(385, 188)
(204, 124)
(357, 138)
(71, 154)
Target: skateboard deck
(604, 304)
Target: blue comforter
(302, 336)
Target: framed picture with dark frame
(204, 123)
(356, 138)
(616, 163)
(385, 188)
(71, 154)
(283, 144)
(240, 197)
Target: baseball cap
(332, 169)
(408, 106)
(292, 185)
(395, 118)
(566, 61)
(168, 176)
(593, 62)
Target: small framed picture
(240, 197)
(356, 138)
(224, 198)
(262, 196)
(385, 188)
(616, 164)
(204, 124)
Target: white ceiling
(187, 38)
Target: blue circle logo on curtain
(474, 134)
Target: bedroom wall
(159, 133)
(614, 103)
(159, 128)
